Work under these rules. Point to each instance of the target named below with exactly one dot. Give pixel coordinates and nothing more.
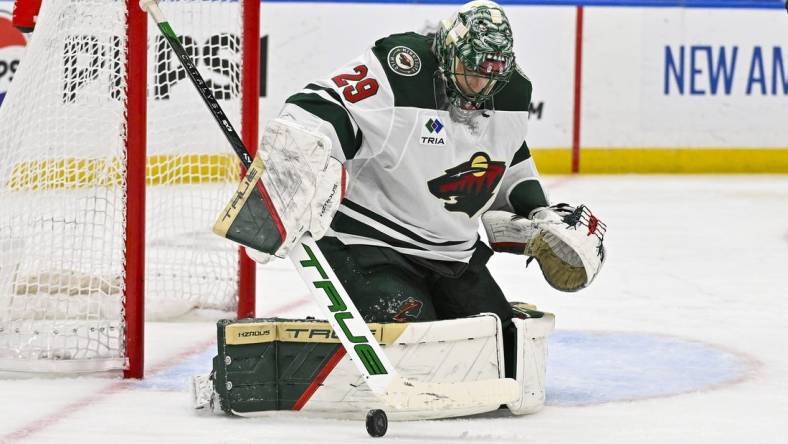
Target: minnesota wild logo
(404, 61)
(469, 186)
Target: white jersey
(419, 179)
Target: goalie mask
(474, 50)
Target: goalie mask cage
(92, 224)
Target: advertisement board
(12, 47)
(702, 88)
(685, 78)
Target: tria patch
(433, 132)
(404, 61)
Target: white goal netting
(62, 181)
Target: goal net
(64, 193)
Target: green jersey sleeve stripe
(521, 155)
(329, 91)
(332, 113)
(527, 196)
(398, 228)
(343, 223)
(334, 95)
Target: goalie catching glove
(293, 186)
(566, 241)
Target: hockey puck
(377, 423)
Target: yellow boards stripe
(553, 160)
(74, 173)
(193, 169)
(663, 160)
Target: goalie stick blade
(410, 401)
(409, 395)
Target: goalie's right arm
(320, 110)
(302, 188)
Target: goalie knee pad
(532, 329)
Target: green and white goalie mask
(475, 42)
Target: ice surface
(680, 339)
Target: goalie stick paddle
(328, 292)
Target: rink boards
(648, 89)
(662, 89)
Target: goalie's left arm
(566, 241)
(521, 191)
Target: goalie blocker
(264, 365)
(292, 187)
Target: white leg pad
(531, 353)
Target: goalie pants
(388, 286)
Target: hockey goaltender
(419, 139)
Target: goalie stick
(328, 292)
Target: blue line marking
(710, 4)
(590, 368)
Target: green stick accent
(166, 29)
(340, 317)
(370, 359)
(313, 262)
(337, 303)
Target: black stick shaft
(207, 96)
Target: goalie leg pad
(533, 328)
(274, 364)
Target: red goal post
(111, 171)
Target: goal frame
(136, 127)
(136, 69)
